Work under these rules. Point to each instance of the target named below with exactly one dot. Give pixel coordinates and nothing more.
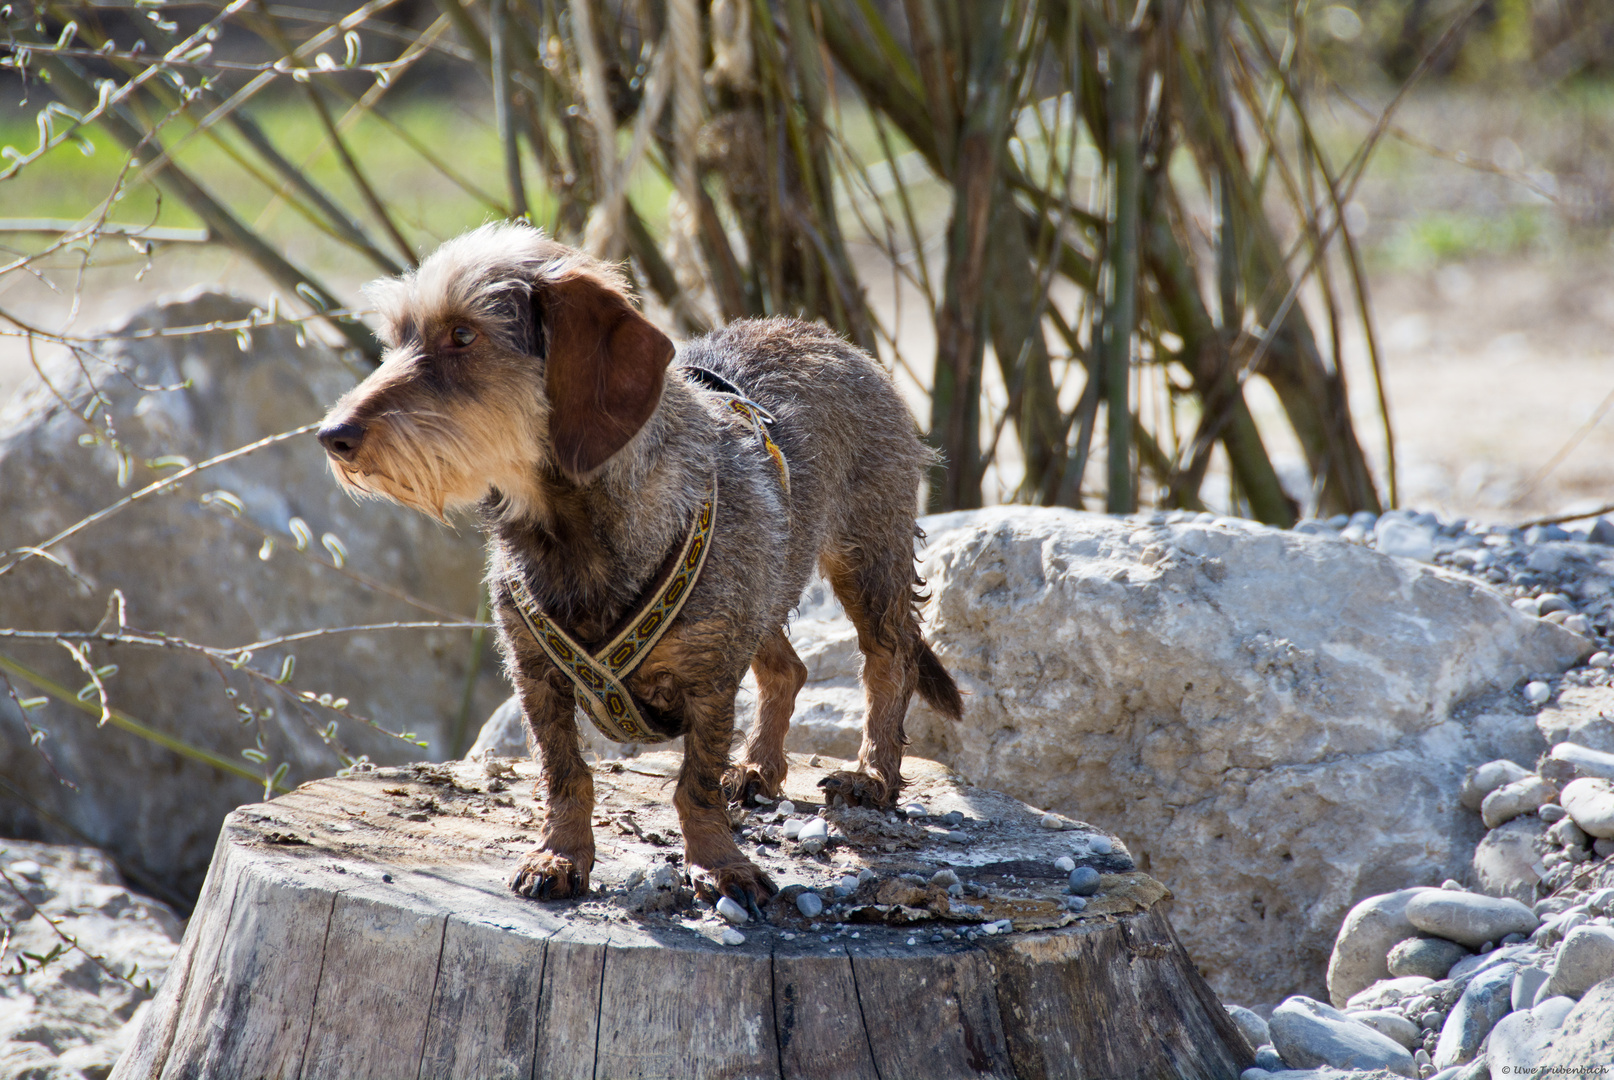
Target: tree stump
(361, 927)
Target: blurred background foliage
(1082, 233)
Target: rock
(1537, 692)
(1393, 1024)
(1601, 532)
(1429, 957)
(1309, 1034)
(1083, 881)
(1361, 950)
(195, 572)
(1567, 762)
(1527, 982)
(70, 1018)
(945, 877)
(1405, 540)
(1585, 959)
(1387, 992)
(1513, 954)
(1267, 1059)
(1567, 834)
(809, 904)
(1550, 813)
(814, 829)
(731, 911)
(1590, 802)
(1484, 779)
(1469, 918)
(1520, 797)
(1065, 863)
(732, 936)
(1250, 1025)
(1487, 999)
(1583, 715)
(1585, 1039)
(1517, 1042)
(1279, 725)
(1504, 862)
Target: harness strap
(755, 416)
(600, 677)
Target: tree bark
(361, 927)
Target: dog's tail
(936, 686)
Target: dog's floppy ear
(606, 365)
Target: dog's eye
(462, 335)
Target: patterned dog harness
(600, 678)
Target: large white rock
(73, 1016)
(1309, 1034)
(1469, 918)
(1266, 717)
(194, 572)
(1361, 950)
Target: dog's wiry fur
(562, 423)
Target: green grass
(1451, 236)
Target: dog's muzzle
(342, 441)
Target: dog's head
(508, 354)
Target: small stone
(1052, 821)
(664, 877)
(810, 904)
(1486, 778)
(1527, 605)
(27, 868)
(1590, 801)
(956, 837)
(1601, 902)
(1100, 845)
(1452, 885)
(1251, 1026)
(1309, 1034)
(1569, 835)
(1603, 847)
(1389, 1023)
(1432, 1019)
(1585, 959)
(1527, 982)
(849, 883)
(1578, 624)
(955, 890)
(1268, 1059)
(786, 808)
(1065, 863)
(1487, 999)
(1468, 918)
(1520, 797)
(1421, 1058)
(1569, 761)
(865, 875)
(1601, 659)
(1430, 957)
(815, 829)
(813, 762)
(793, 829)
(1405, 540)
(944, 877)
(732, 912)
(953, 817)
(1549, 813)
(732, 936)
(1075, 903)
(915, 810)
(1547, 603)
(1084, 881)
(1537, 692)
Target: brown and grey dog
(520, 382)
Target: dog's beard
(426, 462)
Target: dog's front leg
(559, 866)
(702, 807)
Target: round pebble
(786, 808)
(732, 936)
(865, 874)
(945, 878)
(849, 883)
(1100, 845)
(1075, 903)
(914, 810)
(1083, 881)
(793, 829)
(1601, 660)
(953, 817)
(1052, 821)
(815, 829)
(809, 904)
(732, 912)
(1537, 692)
(956, 837)
(1065, 863)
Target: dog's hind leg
(559, 866)
(780, 677)
(877, 594)
(702, 809)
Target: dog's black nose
(342, 440)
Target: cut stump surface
(362, 927)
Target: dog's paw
(549, 875)
(858, 789)
(743, 783)
(746, 884)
